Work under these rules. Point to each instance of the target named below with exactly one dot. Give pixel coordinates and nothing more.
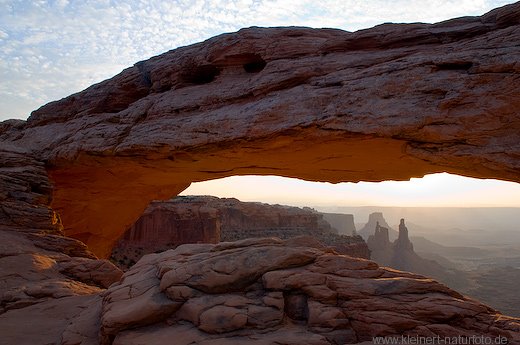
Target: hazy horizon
(482, 219)
(450, 226)
(432, 204)
(436, 190)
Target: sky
(50, 49)
(433, 190)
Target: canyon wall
(344, 223)
(206, 219)
(45, 277)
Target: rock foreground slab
(391, 102)
(269, 291)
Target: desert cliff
(344, 223)
(205, 219)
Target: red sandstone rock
(45, 322)
(171, 224)
(166, 225)
(256, 289)
(205, 219)
(46, 279)
(391, 102)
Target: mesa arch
(391, 102)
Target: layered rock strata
(392, 102)
(165, 225)
(45, 277)
(205, 219)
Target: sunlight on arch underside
(435, 190)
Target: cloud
(50, 49)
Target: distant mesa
(343, 223)
(495, 284)
(376, 219)
(400, 254)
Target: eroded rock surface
(391, 102)
(269, 291)
(45, 277)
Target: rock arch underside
(392, 102)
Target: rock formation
(403, 242)
(400, 255)
(205, 219)
(165, 225)
(404, 256)
(377, 221)
(391, 102)
(380, 240)
(45, 278)
(267, 291)
(344, 223)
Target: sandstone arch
(391, 102)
